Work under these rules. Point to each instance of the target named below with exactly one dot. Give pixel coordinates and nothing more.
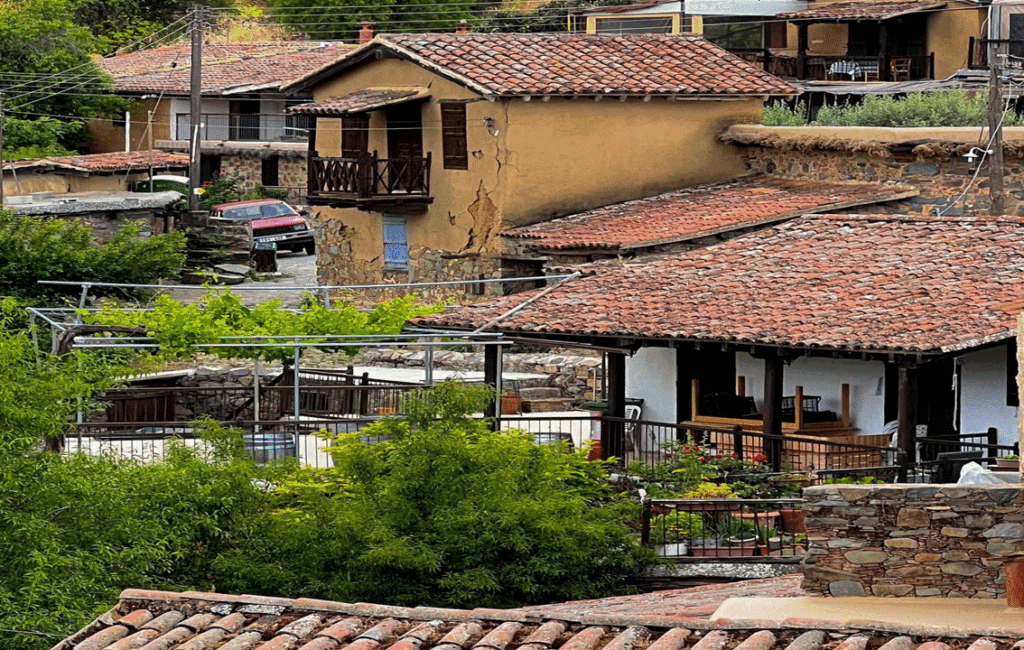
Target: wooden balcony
(368, 181)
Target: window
(355, 135)
(209, 169)
(635, 25)
(453, 136)
(268, 172)
(396, 246)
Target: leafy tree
(550, 17)
(46, 67)
(446, 512)
(178, 327)
(41, 137)
(339, 19)
(33, 249)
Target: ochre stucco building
(427, 146)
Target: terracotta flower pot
(793, 521)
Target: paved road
(294, 270)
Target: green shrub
(446, 512)
(33, 249)
(936, 109)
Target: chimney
(365, 32)
(462, 28)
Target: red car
(273, 221)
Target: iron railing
(842, 67)
(369, 176)
(246, 127)
(731, 530)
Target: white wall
(651, 375)
(824, 377)
(983, 395)
(743, 7)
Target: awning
(370, 99)
(853, 11)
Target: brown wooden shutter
(777, 33)
(453, 136)
(355, 135)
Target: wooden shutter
(453, 136)
(355, 135)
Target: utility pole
(195, 115)
(995, 127)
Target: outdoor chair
(900, 68)
(949, 463)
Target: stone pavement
(295, 271)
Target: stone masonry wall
(336, 265)
(911, 540)
(938, 179)
(291, 172)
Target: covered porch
(859, 41)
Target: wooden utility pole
(195, 114)
(995, 130)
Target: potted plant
(1008, 463)
(671, 533)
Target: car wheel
(310, 248)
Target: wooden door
(405, 146)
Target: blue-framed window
(396, 243)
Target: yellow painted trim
(592, 20)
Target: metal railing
(369, 176)
(652, 443)
(842, 67)
(730, 530)
(246, 127)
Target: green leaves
(219, 315)
(942, 108)
(33, 249)
(448, 512)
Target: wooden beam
(613, 441)
(801, 51)
(846, 405)
(798, 407)
(907, 411)
(773, 409)
(491, 370)
(741, 386)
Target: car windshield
(242, 214)
(277, 210)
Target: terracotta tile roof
(860, 10)
(362, 100)
(124, 160)
(696, 602)
(699, 212)
(149, 620)
(237, 67)
(573, 64)
(836, 282)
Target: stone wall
(911, 540)
(938, 176)
(577, 376)
(291, 171)
(337, 266)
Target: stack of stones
(911, 540)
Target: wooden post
(907, 415)
(312, 184)
(801, 51)
(613, 432)
(884, 72)
(798, 407)
(846, 405)
(772, 423)
(491, 379)
(996, 205)
(694, 397)
(741, 386)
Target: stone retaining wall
(911, 540)
(938, 179)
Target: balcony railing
(842, 67)
(369, 177)
(245, 127)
